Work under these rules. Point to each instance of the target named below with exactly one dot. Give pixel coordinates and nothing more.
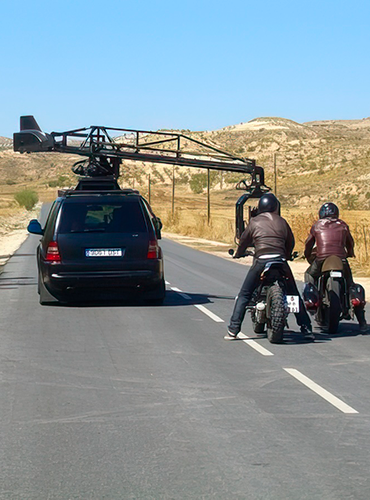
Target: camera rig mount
(104, 149)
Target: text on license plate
(104, 252)
(293, 303)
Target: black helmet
(329, 210)
(268, 203)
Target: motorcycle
(270, 304)
(331, 300)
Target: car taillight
(153, 250)
(52, 252)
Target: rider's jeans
(250, 283)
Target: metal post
(173, 191)
(149, 190)
(208, 198)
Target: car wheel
(45, 295)
(156, 297)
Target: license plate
(104, 252)
(335, 274)
(293, 303)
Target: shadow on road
(172, 299)
(345, 330)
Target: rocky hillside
(316, 161)
(5, 143)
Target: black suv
(99, 240)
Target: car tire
(45, 296)
(156, 297)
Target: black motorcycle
(331, 299)
(270, 304)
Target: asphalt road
(139, 402)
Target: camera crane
(104, 148)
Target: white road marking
(343, 407)
(198, 306)
(209, 313)
(184, 295)
(255, 345)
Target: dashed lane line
(252, 343)
(204, 310)
(330, 398)
(209, 313)
(183, 295)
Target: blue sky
(198, 65)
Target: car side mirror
(34, 227)
(158, 226)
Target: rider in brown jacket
(272, 238)
(331, 236)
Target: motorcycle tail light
(52, 252)
(357, 302)
(311, 304)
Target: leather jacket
(332, 237)
(269, 234)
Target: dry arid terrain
(316, 162)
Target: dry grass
(190, 219)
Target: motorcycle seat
(332, 263)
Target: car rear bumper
(60, 282)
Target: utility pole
(208, 197)
(275, 175)
(149, 190)
(173, 191)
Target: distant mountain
(316, 161)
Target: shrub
(26, 198)
(198, 182)
(60, 182)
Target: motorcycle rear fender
(276, 268)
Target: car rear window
(117, 217)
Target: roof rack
(116, 192)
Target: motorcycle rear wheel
(277, 314)
(333, 311)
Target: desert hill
(316, 161)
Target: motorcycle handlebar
(247, 253)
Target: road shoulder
(221, 250)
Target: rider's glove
(254, 212)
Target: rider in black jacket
(272, 237)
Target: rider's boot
(360, 315)
(230, 336)
(306, 331)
